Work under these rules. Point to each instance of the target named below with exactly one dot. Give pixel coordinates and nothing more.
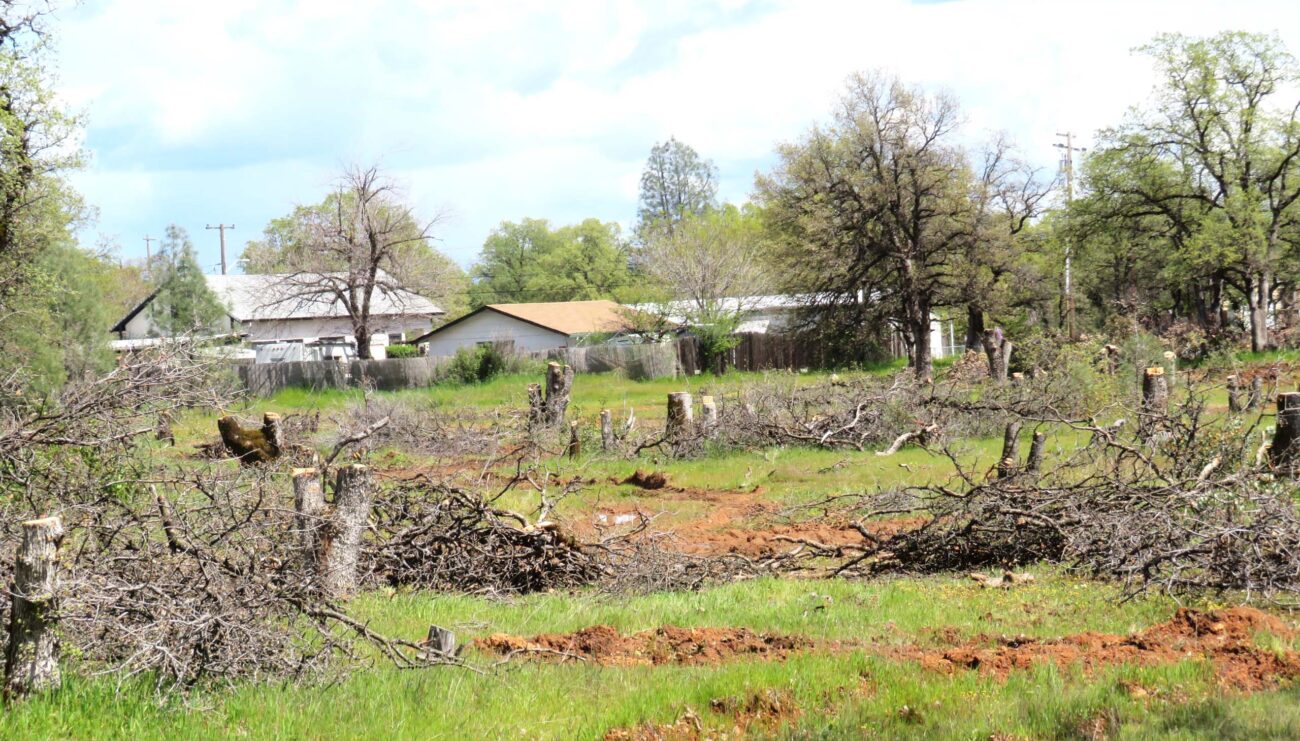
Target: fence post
(341, 546)
(32, 656)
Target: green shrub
(402, 351)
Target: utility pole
(148, 254)
(1067, 163)
(222, 228)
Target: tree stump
(1112, 354)
(1010, 460)
(1155, 400)
(308, 506)
(1035, 462)
(681, 417)
(709, 410)
(575, 443)
(1234, 395)
(606, 430)
(998, 349)
(1287, 430)
(346, 523)
(1256, 398)
(441, 641)
(536, 406)
(559, 384)
(32, 655)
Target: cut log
(1155, 400)
(606, 430)
(346, 523)
(32, 654)
(1283, 451)
(1010, 460)
(252, 445)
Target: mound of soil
(668, 644)
(653, 480)
(1223, 637)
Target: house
(266, 312)
(526, 327)
(778, 313)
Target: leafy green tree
(183, 303)
(530, 261)
(1212, 164)
(677, 183)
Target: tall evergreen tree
(184, 303)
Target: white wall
(492, 326)
(142, 326)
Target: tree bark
(344, 528)
(1010, 460)
(998, 349)
(974, 326)
(1286, 430)
(681, 416)
(559, 384)
(1035, 462)
(32, 655)
(1155, 400)
(1255, 399)
(536, 407)
(1258, 298)
(308, 506)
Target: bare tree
(356, 251)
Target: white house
(525, 327)
(266, 311)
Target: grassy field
(853, 683)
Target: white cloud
(239, 109)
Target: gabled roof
(561, 317)
(250, 298)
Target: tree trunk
(1258, 299)
(1155, 400)
(606, 430)
(1286, 430)
(998, 349)
(1010, 451)
(361, 333)
(974, 326)
(924, 365)
(308, 506)
(1035, 462)
(1234, 395)
(32, 656)
(575, 442)
(343, 530)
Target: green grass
(842, 694)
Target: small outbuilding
(526, 327)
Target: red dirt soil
(668, 644)
(1225, 638)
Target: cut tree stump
(32, 655)
(1234, 395)
(1256, 398)
(1010, 460)
(709, 411)
(344, 526)
(681, 417)
(1155, 400)
(441, 641)
(1035, 462)
(559, 384)
(606, 430)
(308, 506)
(998, 351)
(1287, 430)
(575, 442)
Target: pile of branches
(438, 537)
(1191, 503)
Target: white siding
(492, 326)
(142, 326)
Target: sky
(236, 111)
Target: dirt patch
(668, 644)
(1223, 637)
(654, 480)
